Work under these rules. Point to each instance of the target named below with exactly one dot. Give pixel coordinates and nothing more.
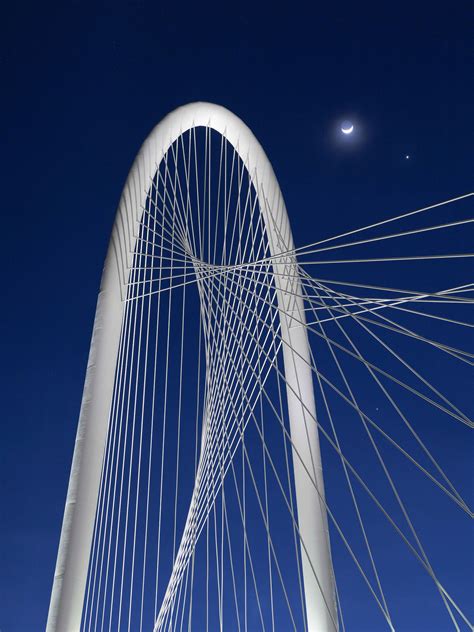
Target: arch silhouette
(77, 531)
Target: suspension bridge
(225, 370)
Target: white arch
(77, 530)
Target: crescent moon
(347, 130)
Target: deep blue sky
(82, 85)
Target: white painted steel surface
(77, 531)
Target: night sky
(84, 83)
